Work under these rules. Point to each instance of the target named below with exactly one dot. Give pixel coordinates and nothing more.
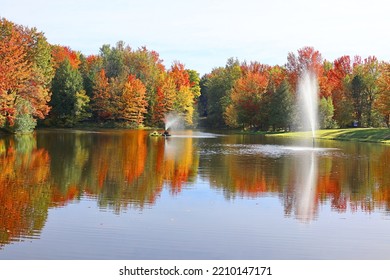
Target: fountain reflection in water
(306, 187)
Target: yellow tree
(133, 102)
(185, 95)
(166, 92)
(383, 100)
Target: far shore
(375, 135)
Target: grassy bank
(377, 135)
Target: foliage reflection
(129, 169)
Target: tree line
(352, 91)
(53, 85)
(58, 86)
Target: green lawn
(378, 135)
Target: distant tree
(339, 78)
(281, 107)
(24, 121)
(185, 92)
(326, 111)
(113, 59)
(147, 66)
(359, 98)
(69, 101)
(248, 96)
(89, 68)
(365, 88)
(62, 53)
(382, 103)
(102, 101)
(202, 100)
(166, 92)
(25, 74)
(132, 104)
(81, 107)
(371, 77)
(217, 89)
(308, 59)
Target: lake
(122, 194)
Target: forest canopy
(53, 85)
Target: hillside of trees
(55, 86)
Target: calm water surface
(113, 194)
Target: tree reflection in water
(128, 169)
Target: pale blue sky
(203, 34)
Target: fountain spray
(173, 120)
(308, 101)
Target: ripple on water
(273, 151)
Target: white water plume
(173, 121)
(308, 101)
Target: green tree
(217, 89)
(113, 59)
(365, 90)
(359, 98)
(326, 111)
(24, 121)
(371, 76)
(69, 101)
(89, 68)
(281, 107)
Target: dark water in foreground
(67, 194)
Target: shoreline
(371, 135)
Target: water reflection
(24, 188)
(349, 176)
(129, 169)
(305, 188)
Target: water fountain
(173, 120)
(307, 177)
(308, 101)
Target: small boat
(155, 133)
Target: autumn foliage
(352, 91)
(25, 74)
(132, 87)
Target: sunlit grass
(381, 135)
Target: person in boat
(166, 133)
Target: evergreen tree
(359, 99)
(217, 91)
(69, 101)
(281, 107)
